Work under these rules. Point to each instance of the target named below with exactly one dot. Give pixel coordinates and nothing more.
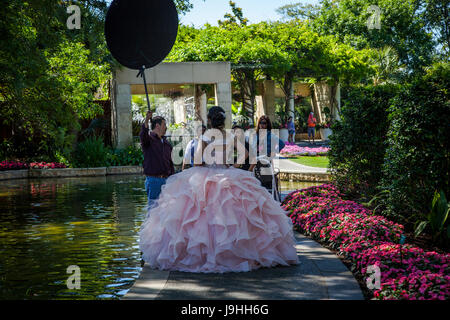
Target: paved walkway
(319, 275)
(286, 165)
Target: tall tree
(48, 76)
(236, 17)
(299, 11)
(435, 14)
(401, 26)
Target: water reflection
(50, 224)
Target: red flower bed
(12, 165)
(15, 165)
(407, 272)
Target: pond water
(48, 225)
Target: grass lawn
(318, 161)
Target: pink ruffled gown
(216, 219)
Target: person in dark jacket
(158, 164)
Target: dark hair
(157, 120)
(217, 116)
(236, 126)
(290, 117)
(269, 124)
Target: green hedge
(417, 159)
(92, 153)
(358, 142)
(393, 142)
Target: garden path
(319, 275)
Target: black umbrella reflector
(141, 33)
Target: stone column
(223, 99)
(179, 110)
(269, 99)
(338, 99)
(322, 95)
(260, 110)
(265, 103)
(200, 101)
(291, 101)
(203, 108)
(121, 116)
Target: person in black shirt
(158, 164)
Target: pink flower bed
(292, 150)
(45, 165)
(407, 272)
(14, 165)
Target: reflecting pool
(48, 225)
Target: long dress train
(216, 219)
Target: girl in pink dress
(216, 218)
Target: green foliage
(436, 218)
(402, 27)
(387, 66)
(358, 142)
(90, 153)
(130, 156)
(93, 153)
(278, 51)
(299, 11)
(417, 159)
(183, 6)
(76, 78)
(434, 14)
(48, 74)
(235, 17)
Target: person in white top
(188, 158)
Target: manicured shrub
(130, 156)
(90, 153)
(358, 142)
(417, 159)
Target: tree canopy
(282, 51)
(417, 30)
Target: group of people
(311, 128)
(215, 216)
(263, 124)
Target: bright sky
(255, 10)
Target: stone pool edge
(285, 175)
(69, 172)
